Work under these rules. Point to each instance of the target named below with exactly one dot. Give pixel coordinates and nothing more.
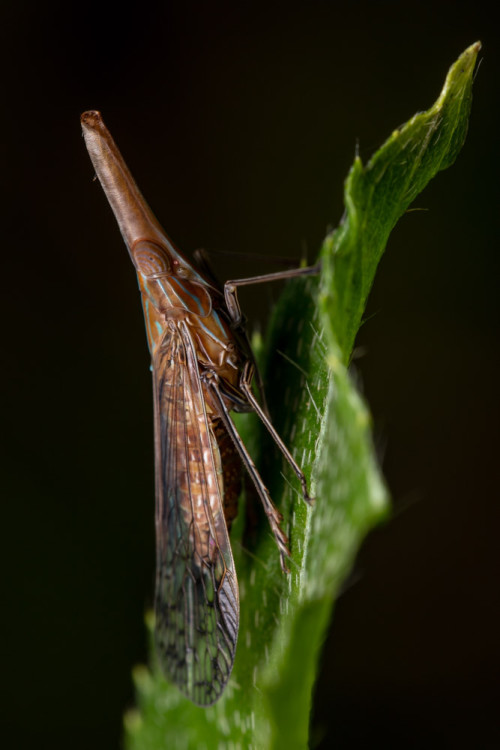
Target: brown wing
(196, 600)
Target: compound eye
(181, 272)
(150, 259)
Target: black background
(239, 123)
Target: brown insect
(203, 368)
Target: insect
(203, 368)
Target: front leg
(246, 387)
(272, 513)
(230, 287)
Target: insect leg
(245, 384)
(272, 513)
(230, 287)
(203, 262)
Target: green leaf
(320, 415)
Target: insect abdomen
(231, 471)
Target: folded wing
(196, 600)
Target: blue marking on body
(181, 304)
(207, 331)
(200, 306)
(146, 318)
(160, 284)
(216, 316)
(168, 296)
(212, 334)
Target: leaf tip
(460, 73)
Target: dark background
(240, 124)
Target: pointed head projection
(155, 257)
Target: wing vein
(196, 599)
